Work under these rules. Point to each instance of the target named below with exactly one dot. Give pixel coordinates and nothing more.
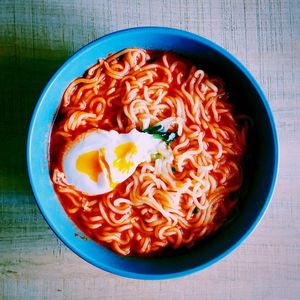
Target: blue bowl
(260, 171)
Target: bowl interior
(260, 171)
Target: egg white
(142, 144)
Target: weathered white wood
(35, 38)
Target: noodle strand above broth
(165, 202)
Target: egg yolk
(123, 154)
(88, 163)
(105, 167)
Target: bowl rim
(229, 57)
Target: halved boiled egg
(97, 161)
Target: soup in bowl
(152, 153)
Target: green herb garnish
(196, 210)
(155, 156)
(154, 129)
(158, 133)
(173, 169)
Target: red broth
(169, 86)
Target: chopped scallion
(196, 210)
(155, 156)
(158, 133)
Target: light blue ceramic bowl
(260, 173)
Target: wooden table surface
(37, 36)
